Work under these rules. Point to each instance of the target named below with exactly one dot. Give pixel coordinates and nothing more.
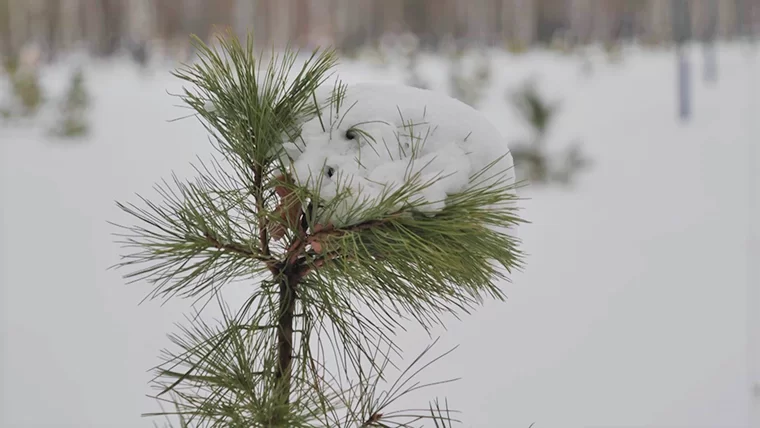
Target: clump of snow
(209, 106)
(381, 136)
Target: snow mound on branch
(382, 134)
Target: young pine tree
(349, 286)
(72, 120)
(532, 158)
(26, 95)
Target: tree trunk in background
(83, 20)
(353, 32)
(602, 27)
(377, 24)
(338, 11)
(282, 30)
(582, 22)
(110, 26)
(242, 17)
(140, 27)
(166, 18)
(6, 47)
(318, 23)
(479, 23)
(665, 13)
(709, 32)
(70, 25)
(682, 33)
(260, 22)
(447, 20)
(302, 22)
(21, 22)
(681, 17)
(394, 17)
(551, 15)
(525, 21)
(508, 17)
(217, 16)
(263, 22)
(495, 23)
(52, 28)
(742, 15)
(93, 25)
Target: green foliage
(614, 52)
(25, 90)
(347, 284)
(516, 47)
(532, 159)
(534, 109)
(73, 108)
(469, 85)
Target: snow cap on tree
(377, 136)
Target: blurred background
(104, 27)
(633, 122)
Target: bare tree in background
(110, 30)
(6, 48)
(709, 34)
(52, 28)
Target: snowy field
(633, 311)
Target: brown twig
(257, 196)
(241, 250)
(372, 419)
(331, 230)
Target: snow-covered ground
(633, 311)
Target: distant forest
(105, 26)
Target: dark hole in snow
(330, 171)
(351, 134)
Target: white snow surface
(383, 135)
(633, 310)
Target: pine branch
(411, 259)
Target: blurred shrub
(532, 160)
(516, 47)
(469, 75)
(614, 51)
(23, 87)
(73, 107)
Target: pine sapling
(323, 282)
(73, 108)
(532, 158)
(25, 91)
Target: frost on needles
(352, 209)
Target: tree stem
(285, 337)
